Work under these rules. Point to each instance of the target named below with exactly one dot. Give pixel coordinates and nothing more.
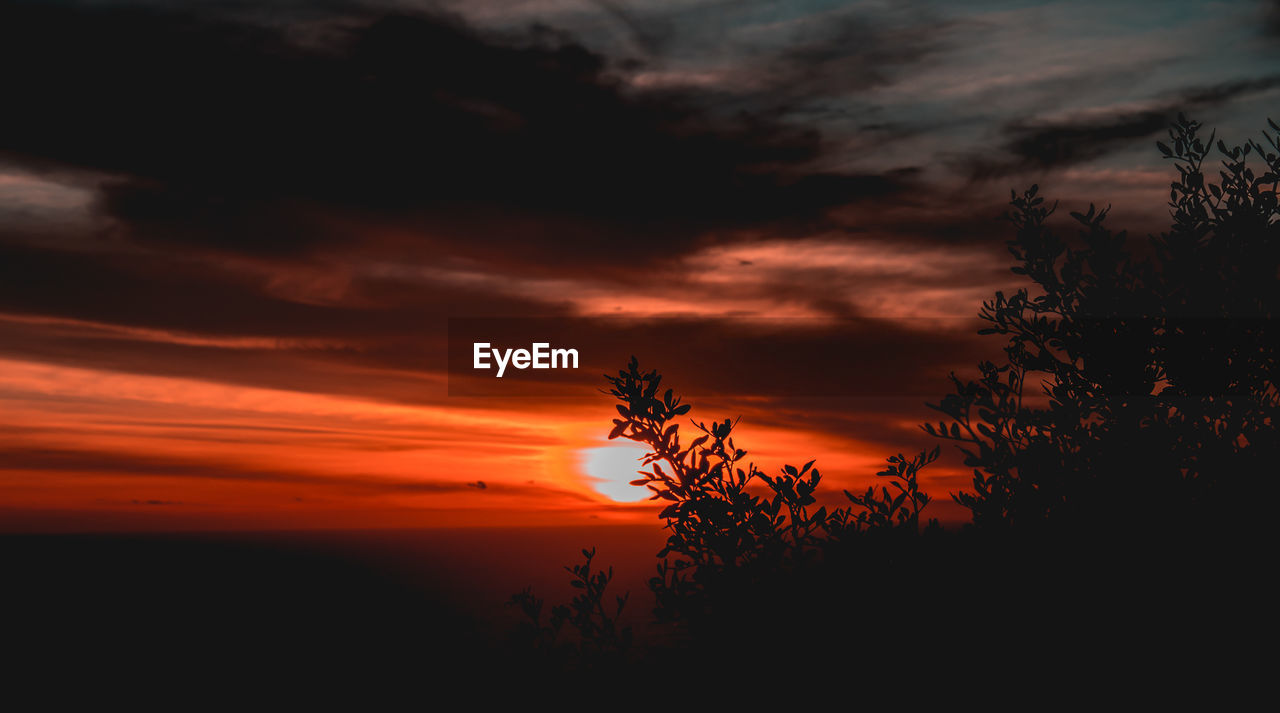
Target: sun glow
(610, 470)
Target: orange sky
(90, 449)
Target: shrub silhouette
(1136, 394)
(727, 531)
(1156, 371)
(734, 530)
(596, 624)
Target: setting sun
(610, 469)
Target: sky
(234, 237)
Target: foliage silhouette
(598, 632)
(1157, 371)
(728, 535)
(733, 528)
(1128, 428)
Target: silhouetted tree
(1137, 391)
(734, 530)
(727, 532)
(598, 636)
(1134, 388)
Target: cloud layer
(257, 222)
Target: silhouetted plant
(1157, 374)
(725, 531)
(886, 510)
(1156, 398)
(595, 623)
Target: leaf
(617, 429)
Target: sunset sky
(233, 235)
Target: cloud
(108, 464)
(297, 196)
(1035, 146)
(166, 291)
(852, 52)
(1271, 18)
(649, 33)
(222, 130)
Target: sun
(610, 470)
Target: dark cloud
(650, 34)
(851, 53)
(220, 131)
(1036, 146)
(1271, 18)
(817, 75)
(1067, 143)
(191, 295)
(702, 356)
(110, 463)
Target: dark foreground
(424, 611)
